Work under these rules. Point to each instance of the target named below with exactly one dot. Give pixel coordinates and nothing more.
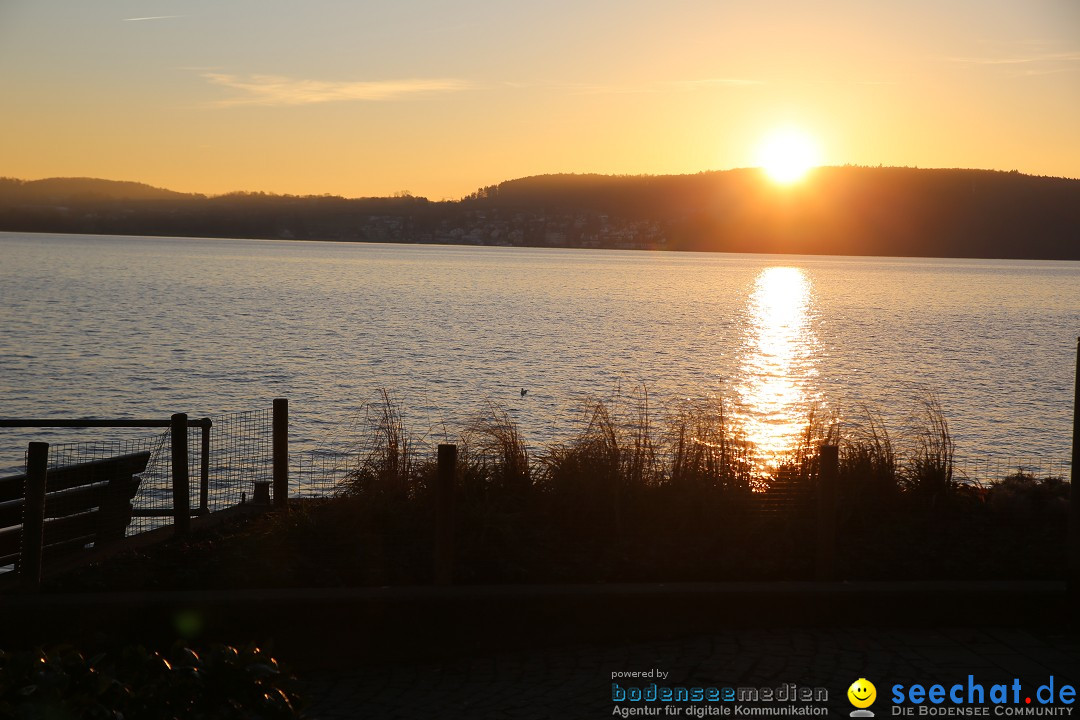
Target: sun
(786, 155)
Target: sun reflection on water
(774, 388)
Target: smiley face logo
(862, 693)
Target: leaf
(262, 670)
(187, 657)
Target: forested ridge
(835, 210)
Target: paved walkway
(574, 682)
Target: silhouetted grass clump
(634, 496)
(869, 471)
(640, 495)
(389, 463)
(493, 456)
(928, 469)
(704, 449)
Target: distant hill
(64, 190)
(835, 210)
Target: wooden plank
(10, 541)
(95, 423)
(280, 452)
(444, 514)
(71, 476)
(52, 552)
(12, 488)
(74, 500)
(181, 496)
(62, 530)
(115, 511)
(11, 513)
(69, 547)
(37, 464)
(57, 531)
(85, 503)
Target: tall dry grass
(584, 476)
(492, 455)
(641, 495)
(928, 470)
(388, 462)
(704, 450)
(868, 462)
(622, 451)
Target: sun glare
(786, 155)
(779, 362)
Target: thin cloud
(1019, 60)
(152, 17)
(705, 83)
(664, 86)
(280, 90)
(852, 82)
(1049, 71)
(1027, 65)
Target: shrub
(1023, 497)
(134, 684)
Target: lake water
(132, 327)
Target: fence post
(1074, 496)
(444, 515)
(204, 467)
(181, 484)
(281, 452)
(33, 529)
(828, 479)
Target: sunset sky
(439, 98)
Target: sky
(439, 98)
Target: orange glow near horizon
(440, 99)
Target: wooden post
(444, 515)
(204, 467)
(828, 479)
(181, 484)
(33, 529)
(1074, 496)
(281, 452)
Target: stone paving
(576, 681)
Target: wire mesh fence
(323, 473)
(153, 490)
(234, 456)
(326, 472)
(226, 460)
(993, 469)
(241, 455)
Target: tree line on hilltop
(835, 210)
